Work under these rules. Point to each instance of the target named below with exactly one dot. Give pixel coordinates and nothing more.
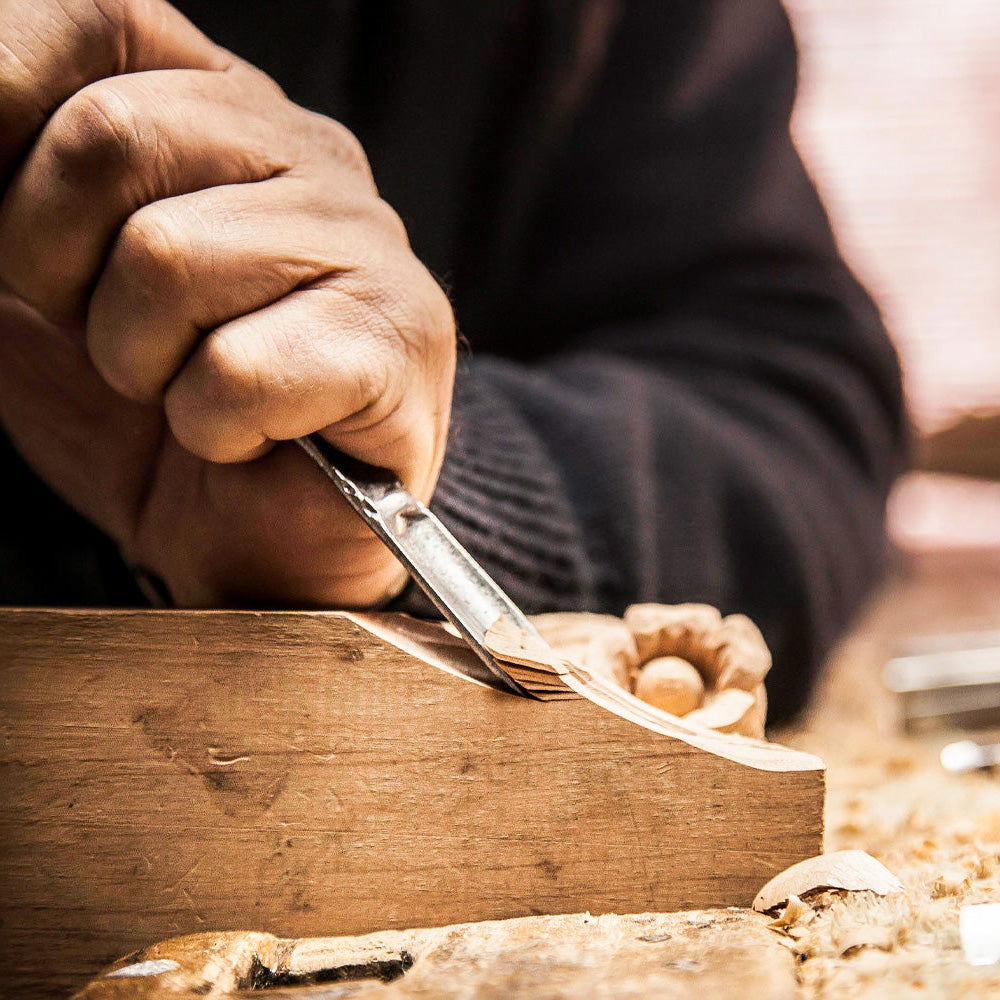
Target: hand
(193, 269)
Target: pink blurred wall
(899, 119)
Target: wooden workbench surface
(887, 795)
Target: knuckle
(152, 253)
(97, 127)
(349, 145)
(369, 380)
(388, 218)
(436, 316)
(406, 313)
(348, 149)
(223, 379)
(147, 271)
(212, 405)
(247, 73)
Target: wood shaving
(671, 684)
(795, 909)
(729, 653)
(847, 870)
(685, 659)
(731, 711)
(673, 630)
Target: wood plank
(171, 772)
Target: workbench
(886, 795)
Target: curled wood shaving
(724, 711)
(742, 658)
(674, 630)
(611, 654)
(670, 683)
(850, 870)
(563, 629)
(686, 660)
(793, 912)
(600, 644)
(757, 718)
(729, 653)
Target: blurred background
(899, 121)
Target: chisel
(459, 587)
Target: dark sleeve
(714, 413)
(51, 555)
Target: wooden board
(172, 772)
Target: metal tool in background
(968, 755)
(947, 680)
(459, 587)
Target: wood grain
(172, 772)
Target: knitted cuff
(502, 497)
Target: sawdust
(887, 795)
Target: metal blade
(459, 587)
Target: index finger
(50, 49)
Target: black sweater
(675, 390)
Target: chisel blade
(457, 585)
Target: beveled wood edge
(434, 645)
